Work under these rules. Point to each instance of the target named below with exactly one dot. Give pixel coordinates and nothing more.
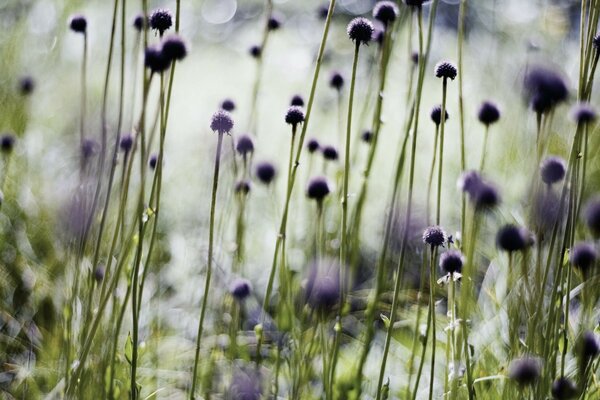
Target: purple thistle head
(161, 20)
(452, 261)
(553, 170)
(336, 81)
(360, 30)
(445, 70)
(139, 21)
(26, 85)
(469, 182)
(525, 371)
(240, 288)
(415, 3)
(322, 288)
(367, 136)
(89, 148)
(173, 48)
(126, 143)
(317, 189)
(545, 88)
(312, 145)
(152, 161)
(583, 256)
(221, 122)
(155, 60)
(436, 115)
(584, 113)
(330, 153)
(512, 238)
(255, 51)
(563, 389)
(294, 116)
(275, 22)
(489, 113)
(592, 215)
(386, 12)
(265, 172)
(228, 105)
(7, 143)
(78, 23)
(244, 145)
(588, 346)
(434, 236)
(246, 385)
(297, 100)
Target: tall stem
(441, 161)
(211, 230)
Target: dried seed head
(445, 70)
(386, 12)
(360, 30)
(592, 215)
(297, 100)
(245, 145)
(584, 113)
(434, 236)
(221, 122)
(78, 23)
(318, 188)
(552, 170)
(265, 172)
(330, 153)
(161, 20)
(488, 113)
(563, 389)
(511, 238)
(312, 145)
(436, 114)
(240, 288)
(294, 116)
(451, 261)
(228, 105)
(336, 81)
(525, 371)
(174, 48)
(583, 256)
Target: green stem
(441, 161)
(431, 171)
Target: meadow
(274, 199)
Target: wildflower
(155, 60)
(469, 182)
(161, 20)
(588, 346)
(414, 57)
(317, 189)
(174, 48)
(434, 236)
(511, 238)
(228, 105)
(336, 81)
(415, 3)
(242, 187)
(99, 272)
(240, 288)
(245, 385)
(26, 85)
(294, 116)
(7, 142)
(360, 30)
(322, 11)
(297, 100)
(244, 145)
(322, 288)
(126, 143)
(436, 115)
(312, 145)
(525, 371)
(330, 153)
(545, 88)
(485, 196)
(255, 51)
(386, 12)
(592, 215)
(265, 172)
(274, 23)
(221, 122)
(553, 170)
(139, 21)
(488, 113)
(563, 389)
(78, 23)
(367, 136)
(451, 261)
(583, 256)
(89, 147)
(445, 70)
(153, 161)
(596, 42)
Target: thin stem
(441, 161)
(432, 283)
(209, 263)
(484, 149)
(431, 171)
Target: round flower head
(7, 142)
(126, 143)
(138, 22)
(240, 288)
(155, 60)
(584, 113)
(378, 36)
(469, 182)
(312, 145)
(336, 81)
(174, 48)
(294, 116)
(153, 161)
(563, 389)
(525, 371)
(245, 385)
(99, 272)
(445, 70)
(451, 261)
(436, 114)
(386, 12)
(330, 153)
(317, 189)
(592, 215)
(415, 3)
(583, 256)
(322, 11)
(78, 23)
(244, 145)
(485, 196)
(297, 100)
(89, 147)
(242, 187)
(434, 236)
(588, 346)
(265, 172)
(553, 170)
(360, 30)
(221, 122)
(255, 51)
(545, 87)
(367, 136)
(161, 20)
(26, 85)
(228, 105)
(414, 56)
(274, 23)
(511, 238)
(323, 285)
(488, 113)
(596, 42)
